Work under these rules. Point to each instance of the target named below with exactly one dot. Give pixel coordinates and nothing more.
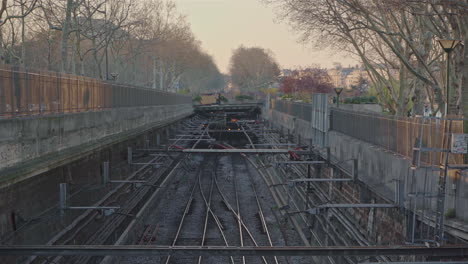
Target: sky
(224, 25)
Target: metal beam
(192, 139)
(255, 151)
(322, 180)
(356, 206)
(227, 131)
(146, 163)
(301, 162)
(275, 144)
(128, 181)
(134, 250)
(93, 207)
(420, 262)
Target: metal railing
(300, 110)
(400, 135)
(403, 135)
(24, 93)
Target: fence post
(105, 172)
(355, 169)
(62, 198)
(129, 155)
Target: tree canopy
(396, 40)
(252, 69)
(146, 43)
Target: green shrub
(451, 213)
(184, 91)
(223, 99)
(197, 99)
(243, 97)
(360, 100)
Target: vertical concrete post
(318, 168)
(397, 189)
(399, 193)
(62, 198)
(105, 173)
(330, 186)
(129, 155)
(146, 142)
(158, 140)
(355, 169)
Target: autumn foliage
(310, 80)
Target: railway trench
(215, 182)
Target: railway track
(216, 212)
(86, 230)
(219, 205)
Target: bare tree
(252, 69)
(396, 32)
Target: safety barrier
(24, 93)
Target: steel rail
(102, 234)
(284, 201)
(236, 195)
(84, 219)
(209, 211)
(237, 216)
(350, 227)
(182, 220)
(260, 210)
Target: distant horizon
(217, 24)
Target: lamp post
(448, 45)
(338, 92)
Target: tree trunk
(161, 76)
(402, 100)
(2, 50)
(419, 96)
(462, 66)
(23, 37)
(155, 73)
(65, 30)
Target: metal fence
(300, 110)
(403, 136)
(400, 135)
(24, 93)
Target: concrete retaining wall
(379, 169)
(29, 146)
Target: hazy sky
(223, 25)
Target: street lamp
(338, 92)
(448, 45)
